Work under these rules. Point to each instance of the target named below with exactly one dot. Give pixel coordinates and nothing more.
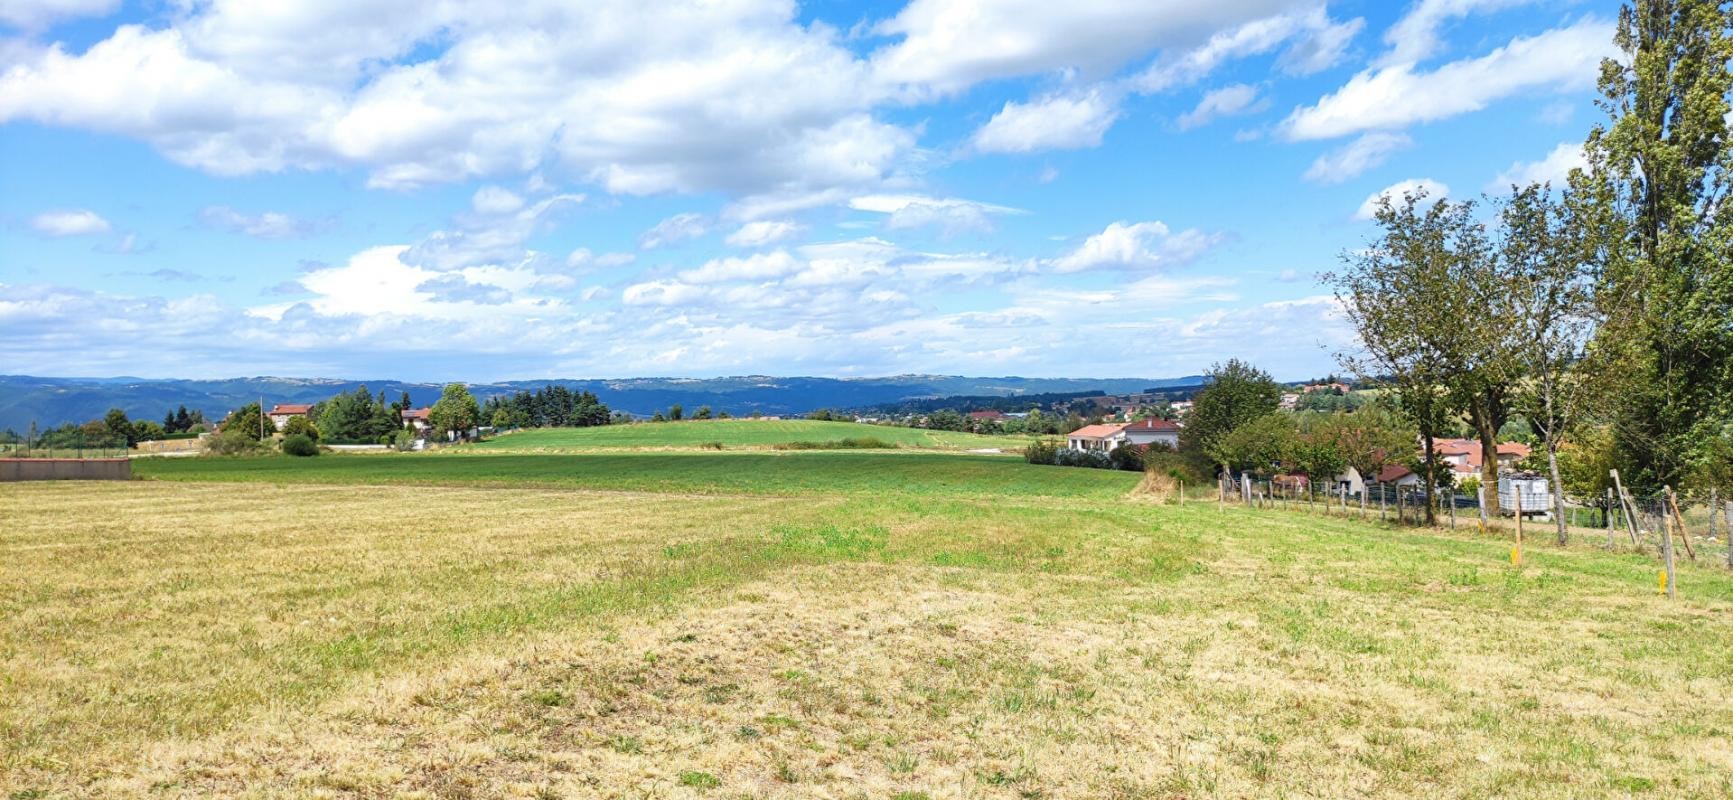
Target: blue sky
(481, 191)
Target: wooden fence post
(1480, 501)
(1679, 520)
(1628, 506)
(1452, 508)
(1667, 553)
(1727, 520)
(1383, 503)
(1607, 517)
(1516, 554)
(1362, 499)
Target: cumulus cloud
(762, 266)
(614, 91)
(1055, 122)
(1316, 43)
(950, 214)
(493, 200)
(948, 45)
(1354, 158)
(1137, 246)
(674, 230)
(1415, 37)
(1398, 96)
(1431, 189)
(763, 232)
(1554, 168)
(36, 14)
(74, 222)
(1228, 101)
(265, 225)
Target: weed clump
(851, 443)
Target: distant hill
(52, 401)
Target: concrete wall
(65, 469)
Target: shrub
(1082, 458)
(1044, 451)
(711, 445)
(232, 442)
(301, 426)
(851, 443)
(1126, 458)
(403, 440)
(300, 444)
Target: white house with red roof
(1464, 455)
(1097, 438)
(1152, 431)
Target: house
(1096, 438)
(1182, 407)
(1464, 458)
(1290, 400)
(1398, 475)
(281, 413)
(416, 419)
(1335, 388)
(1152, 431)
(986, 416)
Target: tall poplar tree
(1661, 170)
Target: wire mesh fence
(65, 444)
(1701, 524)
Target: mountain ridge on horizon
(52, 401)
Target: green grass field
(741, 433)
(895, 624)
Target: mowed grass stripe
(741, 433)
(812, 472)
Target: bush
(1177, 465)
(300, 444)
(1082, 458)
(232, 442)
(1126, 458)
(851, 443)
(404, 440)
(1045, 451)
(711, 445)
(301, 426)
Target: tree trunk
(1488, 459)
(1558, 492)
(1427, 481)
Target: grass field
(741, 433)
(818, 625)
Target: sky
(477, 191)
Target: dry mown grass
(187, 640)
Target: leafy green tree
(676, 412)
(455, 412)
(1262, 445)
(299, 444)
(301, 426)
(119, 427)
(146, 430)
(249, 420)
(1660, 174)
(1236, 393)
(702, 413)
(1401, 296)
(1367, 440)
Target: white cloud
(1414, 37)
(36, 14)
(949, 45)
(1228, 101)
(756, 267)
(1554, 168)
(1397, 96)
(674, 230)
(950, 214)
(1433, 190)
(763, 232)
(74, 222)
(737, 96)
(266, 225)
(1317, 44)
(1055, 122)
(494, 200)
(1137, 246)
(1354, 158)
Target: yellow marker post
(1661, 582)
(1516, 556)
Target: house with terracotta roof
(1464, 455)
(986, 416)
(281, 413)
(1097, 438)
(416, 419)
(1152, 431)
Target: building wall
(65, 469)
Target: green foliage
(1236, 394)
(233, 441)
(1044, 451)
(851, 443)
(299, 444)
(301, 426)
(1661, 171)
(699, 780)
(249, 420)
(553, 406)
(146, 431)
(1367, 440)
(676, 412)
(403, 440)
(119, 427)
(357, 417)
(455, 412)
(702, 413)
(1261, 445)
